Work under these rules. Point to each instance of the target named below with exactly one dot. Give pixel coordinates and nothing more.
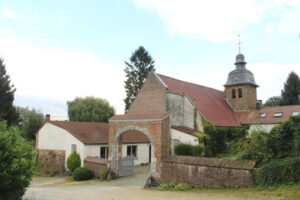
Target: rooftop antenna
(239, 43)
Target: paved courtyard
(126, 188)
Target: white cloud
(9, 14)
(218, 20)
(61, 74)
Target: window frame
(262, 115)
(73, 148)
(240, 93)
(105, 152)
(277, 114)
(233, 93)
(131, 150)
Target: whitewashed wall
(56, 138)
(261, 127)
(142, 152)
(93, 149)
(183, 137)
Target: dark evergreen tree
(137, 70)
(291, 90)
(7, 110)
(274, 101)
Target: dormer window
(262, 115)
(240, 92)
(233, 93)
(277, 114)
(296, 113)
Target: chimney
(258, 104)
(47, 117)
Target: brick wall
(151, 98)
(207, 172)
(52, 158)
(97, 165)
(247, 101)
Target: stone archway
(157, 130)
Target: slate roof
(252, 116)
(210, 102)
(97, 132)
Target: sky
(55, 51)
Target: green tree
(137, 70)
(274, 101)
(291, 90)
(73, 161)
(89, 109)
(16, 163)
(30, 121)
(7, 110)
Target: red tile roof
(251, 117)
(97, 132)
(148, 116)
(184, 130)
(210, 102)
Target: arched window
(240, 92)
(233, 93)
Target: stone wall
(52, 158)
(97, 165)
(207, 172)
(248, 99)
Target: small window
(131, 151)
(277, 114)
(240, 92)
(296, 113)
(73, 148)
(233, 93)
(262, 115)
(104, 152)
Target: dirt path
(127, 188)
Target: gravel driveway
(126, 188)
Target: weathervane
(239, 43)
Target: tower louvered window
(233, 93)
(240, 92)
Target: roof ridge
(189, 82)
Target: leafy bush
(16, 163)
(82, 173)
(174, 186)
(104, 174)
(202, 137)
(183, 149)
(73, 161)
(197, 150)
(283, 140)
(236, 146)
(281, 171)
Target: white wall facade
(93, 149)
(142, 152)
(183, 137)
(52, 137)
(182, 112)
(261, 127)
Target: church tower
(240, 88)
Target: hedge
(82, 173)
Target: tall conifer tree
(291, 91)
(7, 110)
(137, 70)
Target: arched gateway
(155, 126)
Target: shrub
(281, 171)
(182, 187)
(197, 150)
(73, 161)
(236, 146)
(183, 149)
(16, 163)
(174, 186)
(82, 173)
(104, 174)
